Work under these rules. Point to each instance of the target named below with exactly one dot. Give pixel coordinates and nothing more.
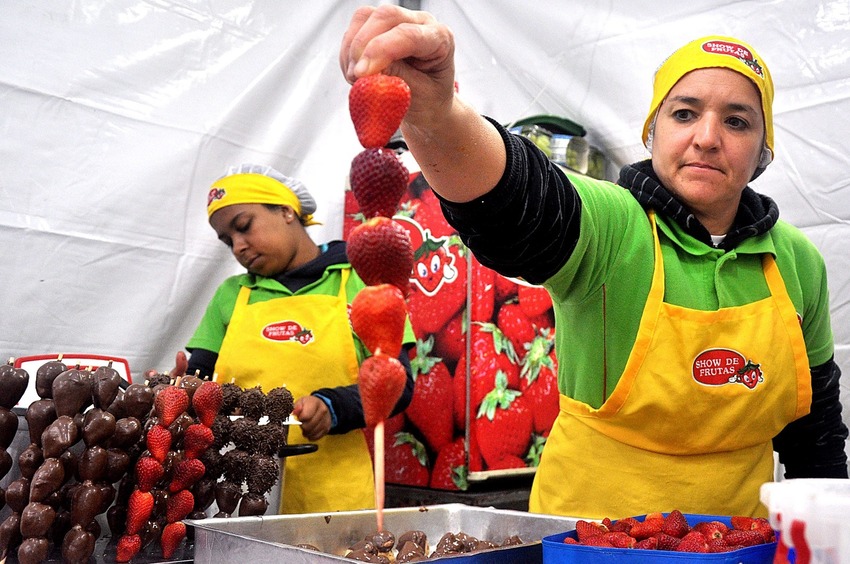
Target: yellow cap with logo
(712, 52)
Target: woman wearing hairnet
(291, 282)
(693, 331)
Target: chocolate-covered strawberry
(227, 496)
(10, 534)
(58, 436)
(13, 384)
(36, 519)
(45, 375)
(33, 550)
(98, 426)
(39, 415)
(28, 461)
(78, 545)
(136, 402)
(47, 479)
(106, 381)
(72, 391)
(8, 427)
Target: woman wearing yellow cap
(285, 322)
(693, 331)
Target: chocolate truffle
(252, 403)
(230, 393)
(279, 404)
(263, 474)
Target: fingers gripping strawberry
(378, 314)
(377, 104)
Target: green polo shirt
(599, 294)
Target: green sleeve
(211, 330)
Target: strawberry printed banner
(486, 387)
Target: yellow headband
(252, 188)
(709, 52)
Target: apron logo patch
(716, 367)
(288, 331)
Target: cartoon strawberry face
(433, 263)
(750, 375)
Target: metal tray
(271, 538)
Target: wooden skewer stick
(379, 473)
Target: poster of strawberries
(486, 390)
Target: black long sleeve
(813, 446)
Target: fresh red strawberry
(406, 461)
(516, 326)
(139, 509)
(377, 103)
(539, 374)
(505, 288)
(428, 213)
(380, 252)
(711, 529)
(506, 462)
(158, 441)
(693, 542)
(675, 524)
(207, 401)
(764, 527)
(179, 505)
(197, 439)
(492, 353)
(664, 541)
(716, 545)
(172, 535)
(450, 341)
(378, 180)
(623, 525)
(742, 522)
(149, 471)
(450, 470)
(352, 217)
(186, 473)
(438, 284)
(597, 540)
(647, 528)
(483, 291)
(534, 300)
(650, 543)
(169, 403)
(739, 537)
(503, 423)
(586, 529)
(378, 315)
(382, 379)
(432, 392)
(128, 546)
(619, 539)
(570, 540)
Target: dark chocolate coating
(18, 494)
(47, 479)
(85, 504)
(77, 546)
(72, 391)
(128, 431)
(36, 519)
(98, 426)
(117, 463)
(28, 461)
(58, 436)
(45, 375)
(92, 465)
(33, 550)
(227, 496)
(40, 414)
(138, 400)
(8, 427)
(253, 504)
(13, 384)
(105, 385)
(10, 533)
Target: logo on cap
(215, 194)
(734, 50)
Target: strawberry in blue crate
(657, 537)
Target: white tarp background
(116, 116)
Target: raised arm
(461, 154)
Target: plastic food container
(273, 538)
(556, 552)
(812, 516)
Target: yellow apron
(305, 343)
(690, 424)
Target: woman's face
(261, 239)
(708, 138)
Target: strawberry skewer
(379, 473)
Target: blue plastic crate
(556, 552)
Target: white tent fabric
(117, 115)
